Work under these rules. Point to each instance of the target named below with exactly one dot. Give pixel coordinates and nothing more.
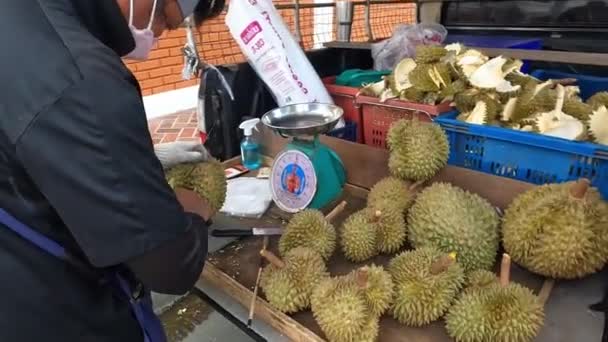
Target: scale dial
(293, 181)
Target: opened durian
(577, 108)
(400, 76)
(430, 77)
(417, 150)
(598, 125)
(454, 220)
(288, 284)
(373, 89)
(207, 179)
(469, 61)
(556, 123)
(598, 100)
(309, 228)
(498, 312)
(392, 190)
(558, 230)
(426, 282)
(359, 235)
(339, 307)
(429, 53)
(413, 95)
(491, 75)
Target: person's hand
(179, 152)
(193, 203)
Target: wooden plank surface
(588, 58)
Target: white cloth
(179, 152)
(247, 197)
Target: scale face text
(293, 181)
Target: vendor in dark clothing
(84, 204)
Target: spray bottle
(250, 149)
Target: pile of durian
(443, 242)
(493, 91)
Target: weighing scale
(307, 173)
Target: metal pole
(368, 24)
(296, 12)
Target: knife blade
(246, 232)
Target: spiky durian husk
(420, 296)
(339, 308)
(421, 79)
(551, 233)
(480, 280)
(378, 292)
(390, 226)
(207, 179)
(429, 53)
(502, 314)
(417, 150)
(393, 190)
(598, 100)
(466, 101)
(289, 289)
(598, 126)
(413, 95)
(359, 236)
(521, 79)
(455, 220)
(309, 228)
(530, 104)
(431, 98)
(370, 330)
(449, 92)
(577, 109)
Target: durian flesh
(309, 228)
(207, 179)
(422, 297)
(454, 220)
(550, 232)
(417, 150)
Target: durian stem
(361, 277)
(442, 264)
(416, 185)
(545, 291)
(273, 259)
(505, 270)
(336, 211)
(579, 189)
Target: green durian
(370, 330)
(340, 309)
(429, 53)
(309, 228)
(421, 78)
(207, 179)
(558, 230)
(454, 220)
(418, 150)
(598, 100)
(288, 287)
(376, 285)
(359, 236)
(479, 280)
(392, 190)
(424, 289)
(577, 109)
(390, 227)
(412, 94)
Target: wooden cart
(229, 275)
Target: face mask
(144, 39)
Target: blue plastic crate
(589, 84)
(529, 157)
(504, 42)
(348, 132)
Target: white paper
(247, 197)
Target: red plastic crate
(344, 97)
(379, 116)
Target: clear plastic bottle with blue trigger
(250, 149)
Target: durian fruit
(373, 89)
(207, 179)
(577, 108)
(469, 61)
(598, 100)
(359, 235)
(421, 79)
(392, 190)
(429, 53)
(556, 123)
(390, 227)
(370, 330)
(400, 76)
(426, 282)
(417, 150)
(498, 312)
(288, 284)
(454, 220)
(340, 309)
(413, 95)
(449, 92)
(558, 230)
(491, 75)
(479, 280)
(309, 228)
(598, 125)
(534, 98)
(376, 285)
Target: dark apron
(138, 297)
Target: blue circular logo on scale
(293, 179)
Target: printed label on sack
(250, 32)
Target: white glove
(179, 152)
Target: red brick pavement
(174, 127)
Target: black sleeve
(91, 155)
